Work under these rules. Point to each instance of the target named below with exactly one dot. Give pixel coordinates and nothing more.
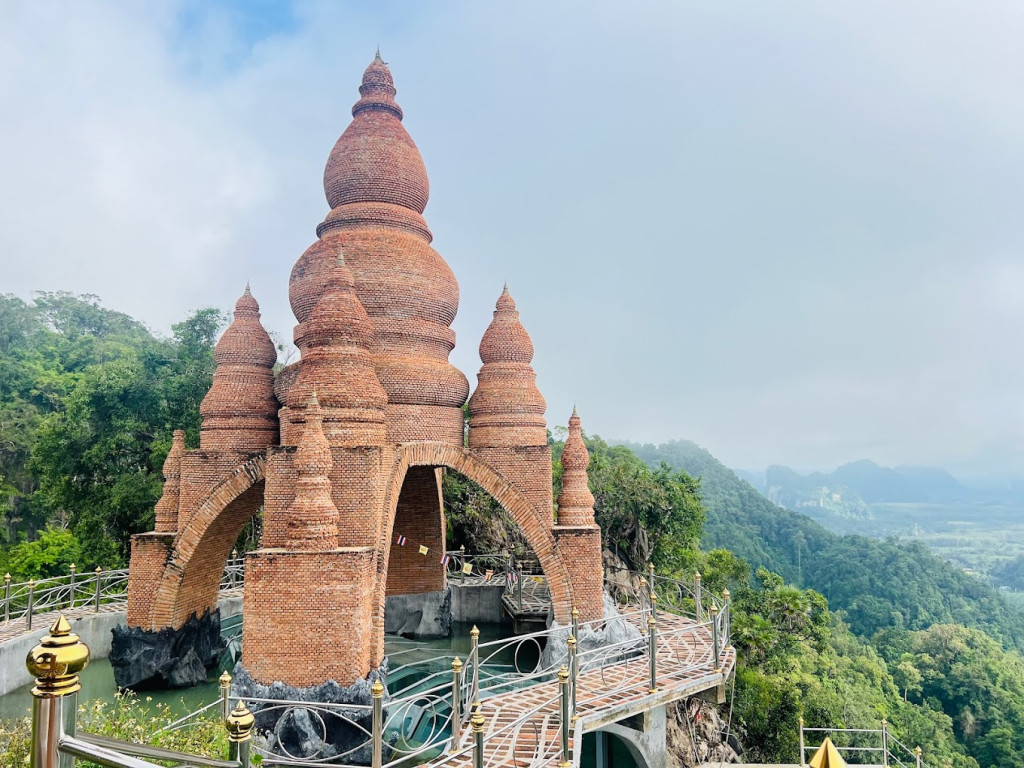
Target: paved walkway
(523, 727)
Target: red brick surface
(344, 449)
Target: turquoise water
(98, 678)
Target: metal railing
(82, 592)
(877, 744)
(55, 663)
(426, 715)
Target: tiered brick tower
(345, 448)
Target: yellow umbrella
(827, 756)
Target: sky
(791, 232)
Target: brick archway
(191, 578)
(536, 527)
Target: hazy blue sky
(789, 231)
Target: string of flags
(467, 568)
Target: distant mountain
(876, 583)
(860, 483)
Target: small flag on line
(444, 560)
(488, 574)
(467, 569)
(424, 550)
(401, 541)
(538, 579)
(513, 577)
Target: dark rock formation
(167, 658)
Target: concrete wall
(644, 735)
(94, 629)
(477, 603)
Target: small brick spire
(240, 411)
(575, 502)
(506, 409)
(166, 509)
(313, 518)
(336, 343)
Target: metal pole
(55, 663)
(7, 597)
(885, 744)
(477, 721)
(239, 724)
(71, 589)
(456, 703)
(714, 636)
(650, 580)
(377, 691)
(917, 756)
(652, 651)
(474, 654)
(31, 598)
(462, 562)
(654, 605)
(519, 584)
(697, 595)
(99, 589)
(803, 751)
(573, 673)
(575, 622)
(726, 616)
(225, 695)
(563, 681)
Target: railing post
(650, 580)
(71, 587)
(519, 585)
(714, 636)
(239, 724)
(652, 651)
(575, 622)
(462, 562)
(55, 664)
(231, 568)
(726, 616)
(885, 743)
(477, 721)
(474, 654)
(7, 597)
(654, 605)
(574, 671)
(456, 703)
(225, 694)
(31, 599)
(377, 691)
(697, 595)
(99, 589)
(917, 756)
(803, 751)
(563, 681)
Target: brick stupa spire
(336, 343)
(240, 411)
(376, 185)
(313, 518)
(167, 507)
(575, 502)
(506, 409)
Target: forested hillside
(88, 400)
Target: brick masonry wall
(148, 559)
(579, 548)
(306, 616)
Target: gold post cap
(57, 660)
(917, 751)
(477, 720)
(726, 594)
(884, 722)
(224, 679)
(98, 570)
(7, 577)
(462, 547)
(456, 664)
(654, 597)
(575, 612)
(571, 641)
(563, 675)
(239, 723)
(474, 632)
(714, 609)
(377, 689)
(696, 575)
(651, 621)
(71, 567)
(31, 582)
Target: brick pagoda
(344, 450)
